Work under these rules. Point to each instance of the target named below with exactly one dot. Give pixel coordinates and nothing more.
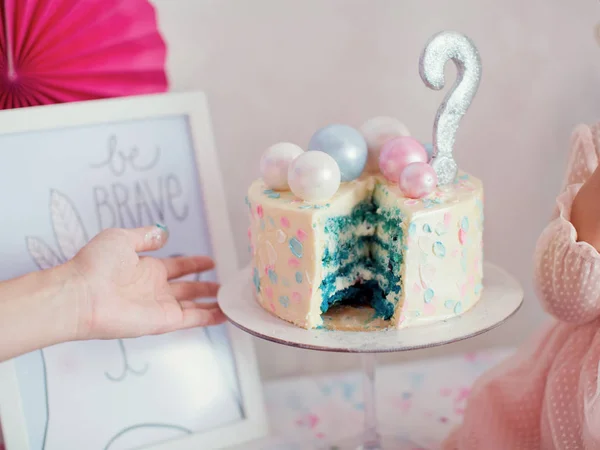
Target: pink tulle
(55, 51)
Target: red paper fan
(55, 51)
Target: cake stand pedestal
(502, 296)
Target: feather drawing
(67, 224)
(42, 254)
(68, 230)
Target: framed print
(68, 172)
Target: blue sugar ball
(345, 145)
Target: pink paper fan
(55, 51)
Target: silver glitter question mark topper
(441, 48)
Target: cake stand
(502, 296)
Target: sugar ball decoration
(417, 180)
(275, 162)
(377, 131)
(345, 145)
(314, 176)
(398, 153)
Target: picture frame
(20, 421)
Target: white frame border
(194, 105)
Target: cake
(415, 260)
(362, 221)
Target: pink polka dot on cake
(301, 235)
(269, 292)
(296, 297)
(285, 222)
(447, 219)
(429, 309)
(293, 262)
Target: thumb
(146, 239)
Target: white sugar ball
(314, 176)
(377, 131)
(275, 162)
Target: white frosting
(441, 274)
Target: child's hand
(125, 295)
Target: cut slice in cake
(411, 261)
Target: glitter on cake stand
(501, 297)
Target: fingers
(202, 317)
(192, 304)
(190, 290)
(197, 314)
(180, 266)
(189, 314)
(146, 239)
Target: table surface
(421, 401)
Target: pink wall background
(279, 69)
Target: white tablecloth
(420, 401)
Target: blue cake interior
(362, 259)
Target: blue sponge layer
(367, 266)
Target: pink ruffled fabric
(547, 396)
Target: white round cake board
(502, 296)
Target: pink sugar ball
(417, 180)
(377, 131)
(398, 153)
